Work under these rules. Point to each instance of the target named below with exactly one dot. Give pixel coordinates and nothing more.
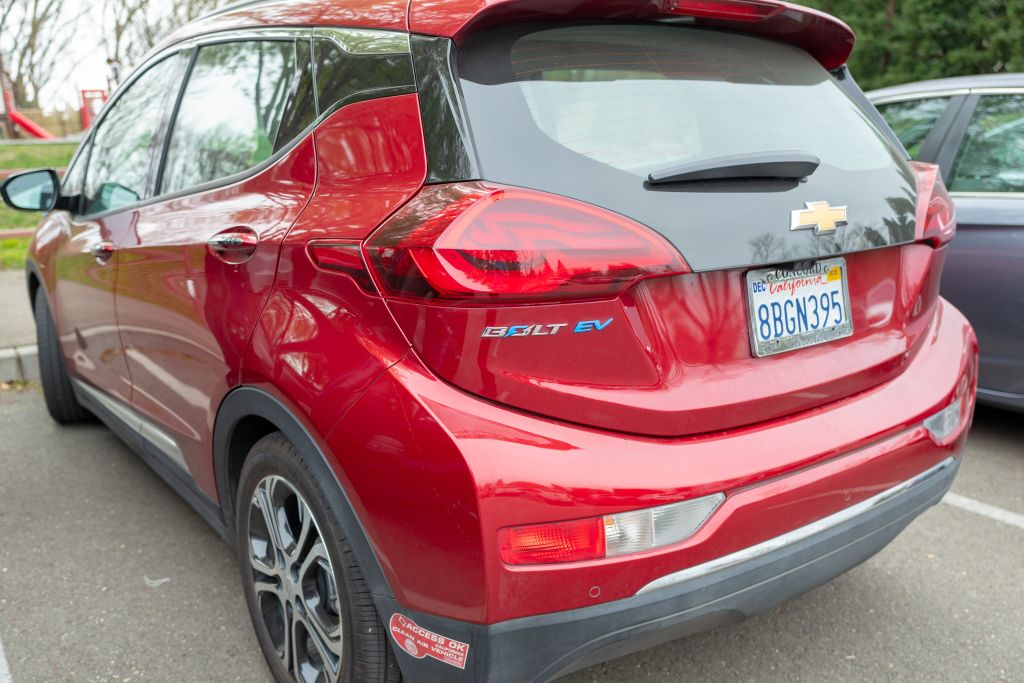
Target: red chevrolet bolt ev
(504, 337)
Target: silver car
(973, 127)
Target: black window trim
(350, 39)
(87, 144)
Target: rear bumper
(728, 589)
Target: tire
(61, 403)
(340, 635)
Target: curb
(19, 364)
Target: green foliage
(899, 41)
(12, 252)
(36, 155)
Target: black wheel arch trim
(32, 270)
(247, 402)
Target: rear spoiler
(826, 38)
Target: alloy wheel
(294, 582)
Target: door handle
(235, 245)
(102, 252)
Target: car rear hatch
(624, 187)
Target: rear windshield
(640, 98)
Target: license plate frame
(799, 340)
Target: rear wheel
(60, 396)
(311, 608)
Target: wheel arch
(33, 281)
(248, 414)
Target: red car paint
(676, 360)
(496, 468)
(824, 36)
(441, 438)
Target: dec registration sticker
(791, 309)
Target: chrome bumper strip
(148, 431)
(796, 535)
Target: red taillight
(474, 241)
(730, 10)
(936, 214)
(624, 533)
(553, 543)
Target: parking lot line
(5, 672)
(985, 510)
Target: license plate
(791, 309)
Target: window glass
(126, 143)
(74, 177)
(639, 99)
(992, 156)
(341, 75)
(912, 120)
(301, 110)
(234, 112)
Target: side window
(74, 177)
(991, 158)
(127, 142)
(912, 120)
(241, 105)
(341, 75)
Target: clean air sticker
(420, 643)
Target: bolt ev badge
(820, 216)
(541, 330)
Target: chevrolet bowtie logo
(820, 216)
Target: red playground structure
(13, 119)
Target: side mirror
(32, 191)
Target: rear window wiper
(782, 165)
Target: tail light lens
(480, 241)
(609, 536)
(946, 425)
(936, 213)
(729, 10)
(552, 543)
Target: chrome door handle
(102, 251)
(234, 246)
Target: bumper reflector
(625, 533)
(945, 426)
(944, 423)
(632, 532)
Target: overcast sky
(85, 63)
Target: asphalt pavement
(107, 576)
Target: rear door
(199, 264)
(985, 174)
(588, 112)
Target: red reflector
(471, 241)
(731, 10)
(936, 213)
(553, 543)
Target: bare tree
(28, 36)
(135, 26)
